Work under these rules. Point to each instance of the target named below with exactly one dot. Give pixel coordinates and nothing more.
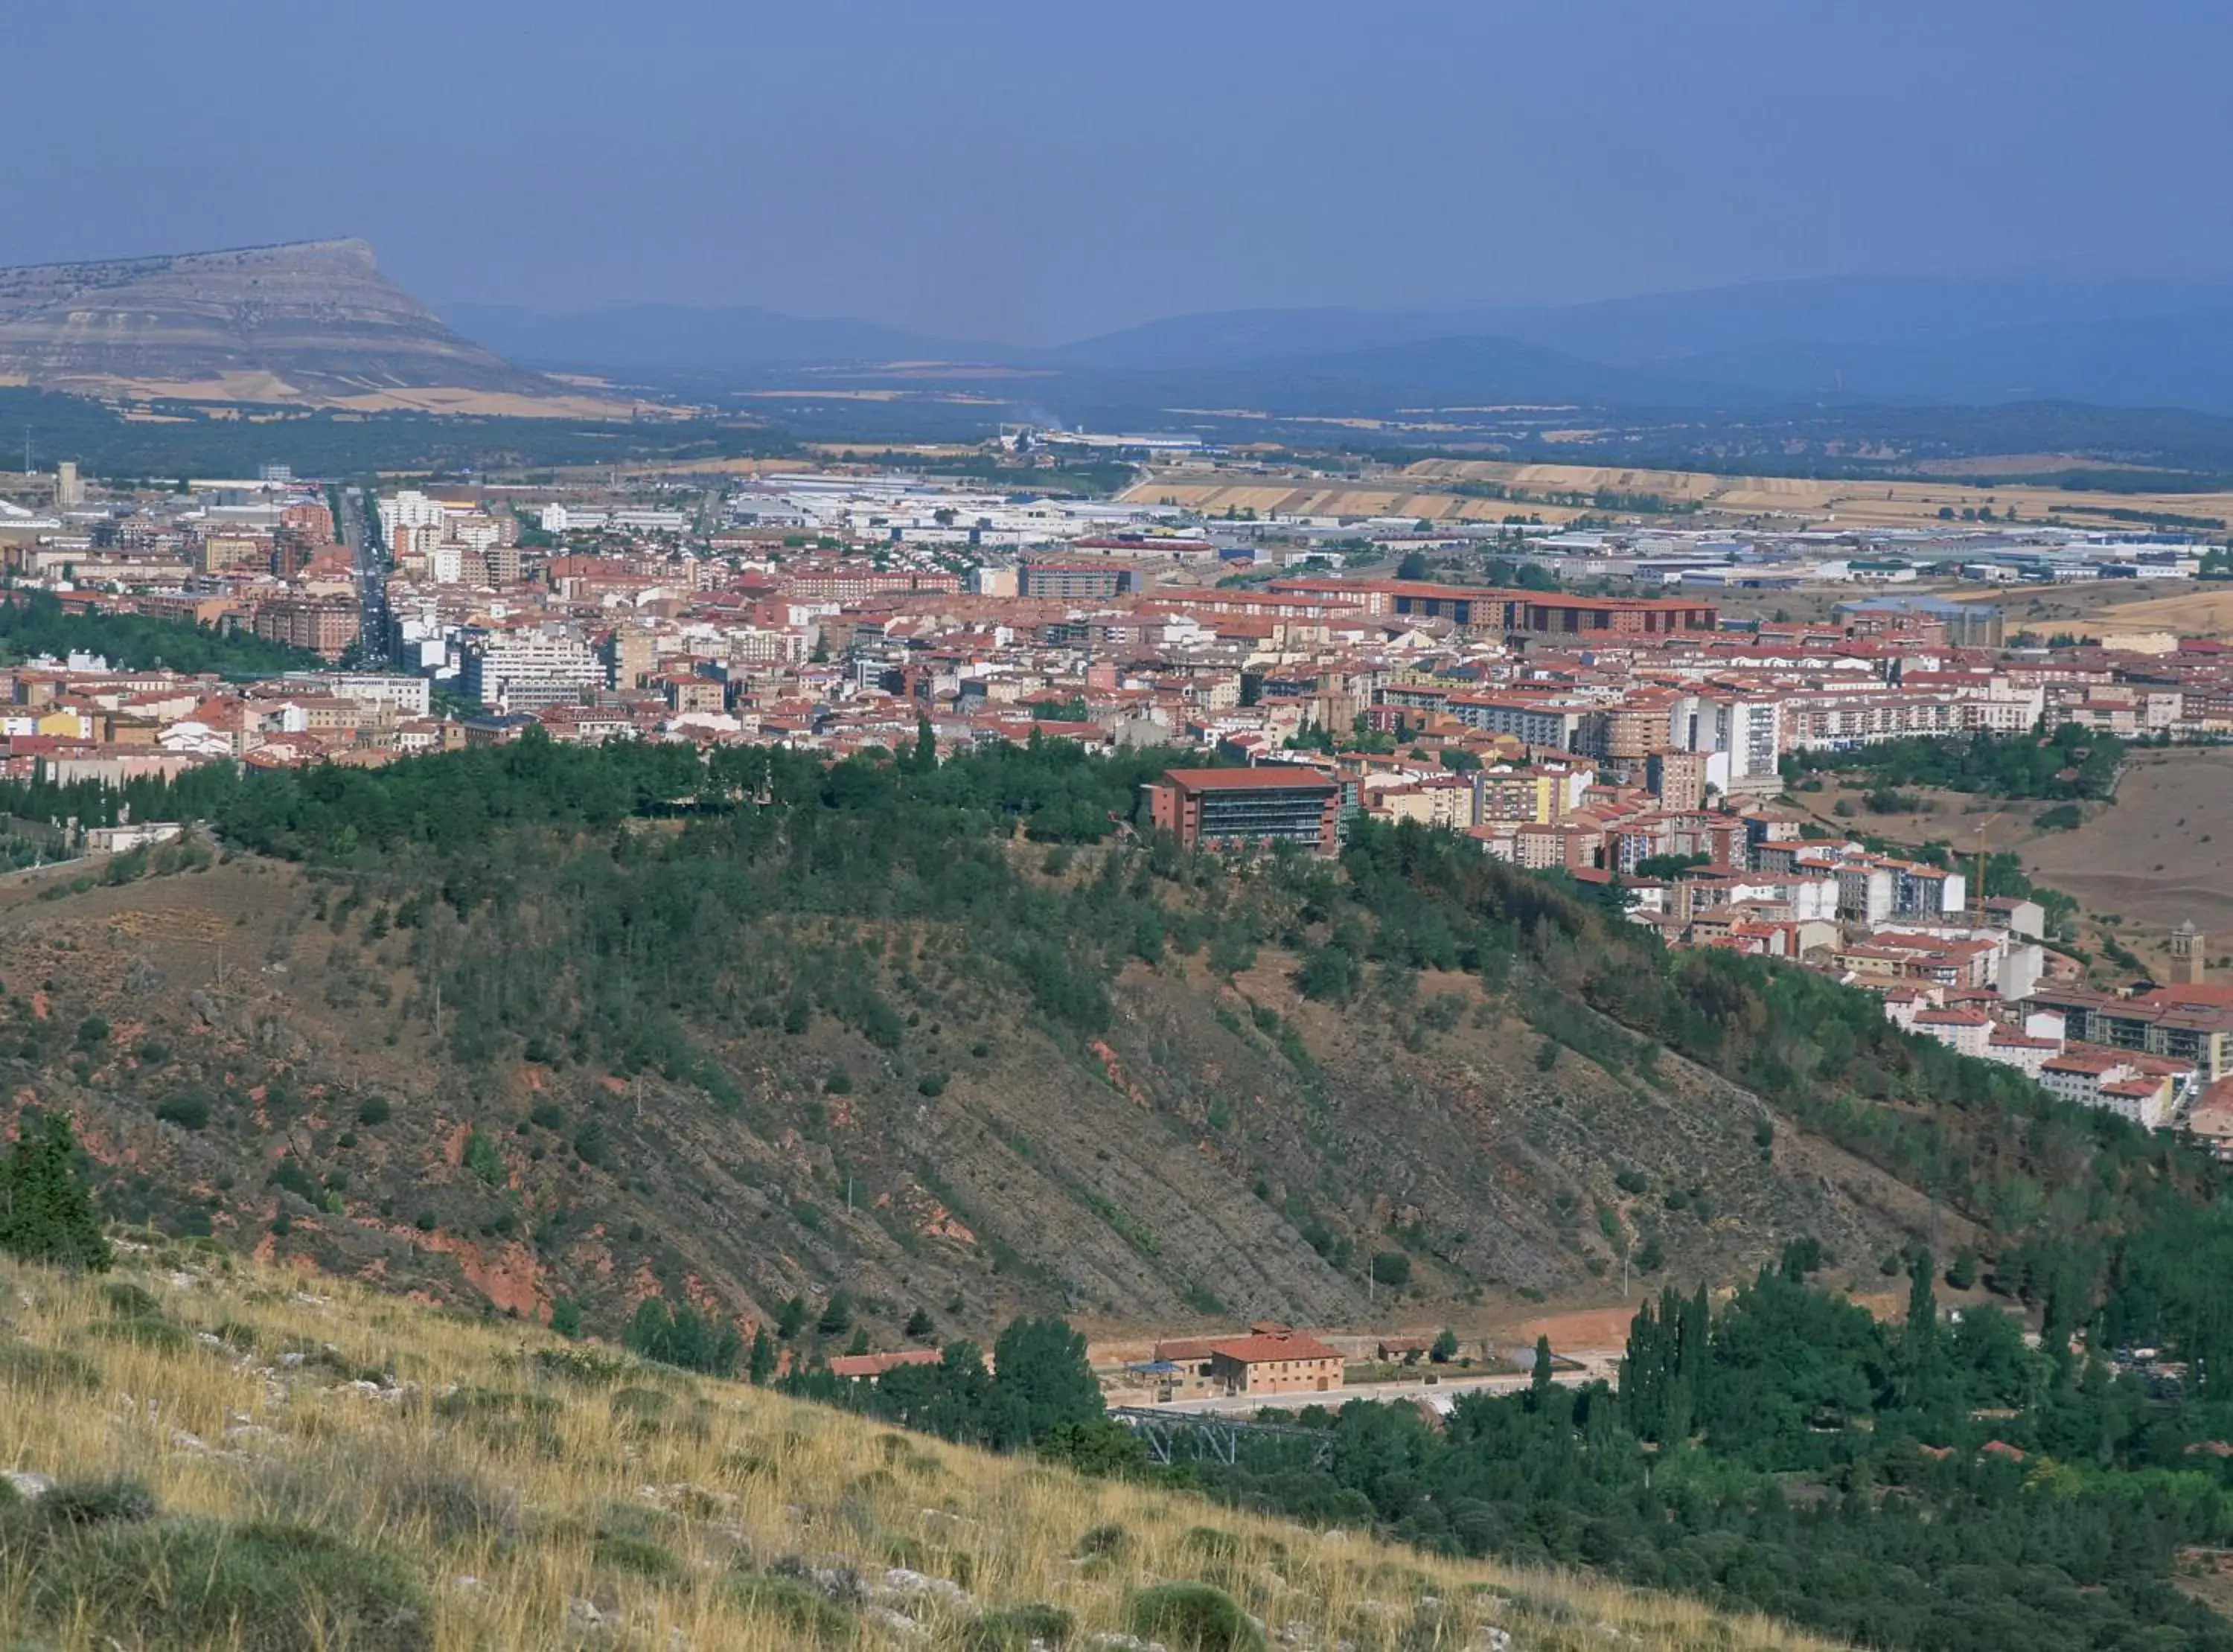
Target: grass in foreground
(247, 1458)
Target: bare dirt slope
(2161, 854)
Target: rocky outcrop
(310, 323)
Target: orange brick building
(1246, 807)
(1274, 1363)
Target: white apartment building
(543, 666)
(1966, 1032)
(1744, 730)
(1866, 890)
(1538, 722)
(409, 509)
(2108, 1078)
(410, 696)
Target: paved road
(371, 558)
(1595, 1363)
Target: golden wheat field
(1426, 491)
(332, 1468)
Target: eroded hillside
(253, 1051)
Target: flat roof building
(1074, 581)
(1231, 809)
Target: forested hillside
(958, 1033)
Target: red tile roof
(1271, 775)
(1258, 1350)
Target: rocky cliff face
(309, 322)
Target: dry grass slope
(426, 1480)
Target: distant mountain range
(316, 323)
(1892, 340)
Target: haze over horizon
(992, 171)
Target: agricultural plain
(1456, 491)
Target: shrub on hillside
(805, 1615)
(1193, 1617)
(189, 1584)
(189, 1110)
(1019, 1629)
(1391, 1267)
(97, 1502)
(27, 1372)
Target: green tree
(760, 1365)
(1538, 1376)
(482, 1160)
(680, 1335)
(918, 1327)
(1040, 1365)
(566, 1316)
(46, 1214)
(1445, 1348)
(1919, 1345)
(836, 1316)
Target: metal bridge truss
(1198, 1435)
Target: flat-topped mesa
(307, 322)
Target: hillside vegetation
(536, 1025)
(539, 1025)
(243, 1458)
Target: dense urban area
(1322, 670)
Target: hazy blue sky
(1028, 171)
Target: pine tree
(1918, 1348)
(1694, 1321)
(1682, 1340)
(1644, 1373)
(1538, 1376)
(761, 1365)
(46, 1215)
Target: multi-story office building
(1248, 808)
